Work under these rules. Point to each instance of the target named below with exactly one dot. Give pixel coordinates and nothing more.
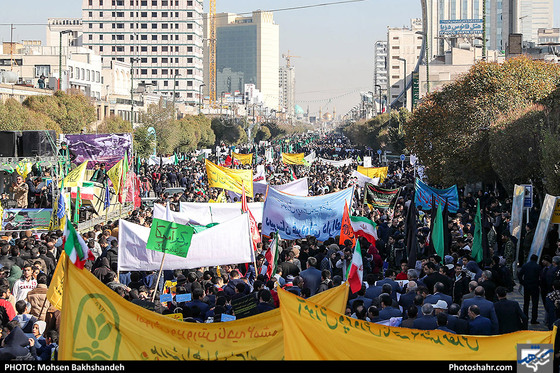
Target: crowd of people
(454, 293)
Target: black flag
(411, 231)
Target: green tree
(143, 141)
(161, 118)
(114, 124)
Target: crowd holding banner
(195, 272)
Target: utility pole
(132, 60)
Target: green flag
(437, 233)
(169, 237)
(476, 249)
(77, 206)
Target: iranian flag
(364, 227)
(355, 273)
(75, 247)
(271, 256)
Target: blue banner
(424, 193)
(298, 217)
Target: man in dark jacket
(529, 279)
(510, 316)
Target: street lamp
(60, 56)
(378, 86)
(174, 94)
(132, 60)
(404, 80)
(427, 56)
(200, 97)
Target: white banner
(225, 243)
(363, 179)
(311, 157)
(206, 213)
(517, 219)
(297, 187)
(155, 160)
(345, 162)
(160, 212)
(367, 161)
(542, 226)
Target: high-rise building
(534, 15)
(380, 66)
(287, 90)
(161, 39)
(404, 48)
(247, 52)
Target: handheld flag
(346, 229)
(356, 270)
(75, 247)
(272, 254)
(77, 205)
(364, 227)
(477, 252)
(437, 233)
(107, 197)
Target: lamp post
(404, 80)
(60, 56)
(174, 95)
(132, 60)
(378, 86)
(200, 98)
(427, 56)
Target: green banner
(170, 238)
(378, 197)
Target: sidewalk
(517, 296)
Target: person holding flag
(355, 274)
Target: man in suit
(311, 276)
(485, 308)
(439, 295)
(428, 320)
(387, 310)
(390, 276)
(489, 286)
(406, 300)
(454, 322)
(433, 276)
(478, 325)
(442, 321)
(529, 278)
(510, 316)
(470, 294)
(373, 291)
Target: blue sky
(334, 42)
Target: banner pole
(159, 275)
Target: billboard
(456, 27)
(102, 148)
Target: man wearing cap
(440, 307)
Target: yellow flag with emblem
(243, 158)
(115, 175)
(76, 177)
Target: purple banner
(100, 148)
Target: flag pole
(159, 275)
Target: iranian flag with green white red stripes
(75, 247)
(364, 227)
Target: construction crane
(288, 57)
(212, 47)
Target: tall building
(161, 39)
(534, 15)
(247, 52)
(380, 66)
(404, 48)
(287, 99)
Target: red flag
(255, 236)
(228, 161)
(346, 230)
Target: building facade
(247, 52)
(161, 39)
(287, 77)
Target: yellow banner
(97, 323)
(55, 291)
(243, 158)
(76, 177)
(380, 172)
(24, 168)
(294, 158)
(556, 214)
(229, 179)
(115, 175)
(309, 332)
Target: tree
(452, 130)
(161, 117)
(143, 141)
(262, 134)
(114, 124)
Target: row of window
(144, 48)
(141, 2)
(144, 14)
(144, 26)
(85, 74)
(143, 37)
